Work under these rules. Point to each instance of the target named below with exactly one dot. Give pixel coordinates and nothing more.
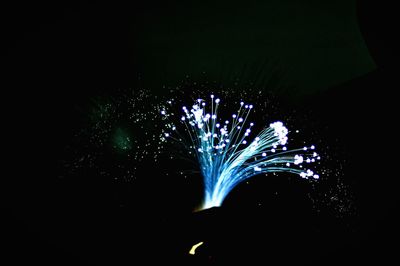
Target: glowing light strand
(225, 156)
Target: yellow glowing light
(193, 249)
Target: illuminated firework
(224, 152)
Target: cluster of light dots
(145, 121)
(107, 126)
(225, 150)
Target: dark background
(60, 55)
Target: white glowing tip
(217, 100)
(163, 112)
(166, 134)
(280, 131)
(198, 114)
(257, 169)
(264, 154)
(234, 116)
(244, 142)
(298, 159)
(312, 147)
(212, 96)
(240, 119)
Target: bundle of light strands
(224, 152)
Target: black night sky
(328, 60)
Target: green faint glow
(121, 140)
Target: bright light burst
(225, 154)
